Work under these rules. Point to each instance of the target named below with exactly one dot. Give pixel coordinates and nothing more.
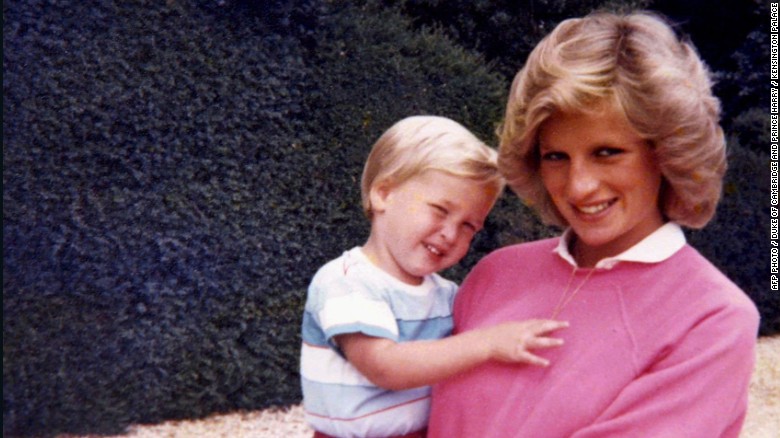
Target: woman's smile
(595, 209)
(603, 179)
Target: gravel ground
(763, 420)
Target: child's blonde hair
(420, 143)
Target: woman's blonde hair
(420, 143)
(657, 80)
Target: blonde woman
(611, 131)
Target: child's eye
(471, 228)
(438, 209)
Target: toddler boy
(377, 320)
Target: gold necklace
(566, 297)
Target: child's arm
(393, 365)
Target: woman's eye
(608, 152)
(553, 156)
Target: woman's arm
(697, 388)
(404, 365)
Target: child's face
(426, 224)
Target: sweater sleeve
(471, 292)
(695, 387)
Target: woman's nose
(583, 180)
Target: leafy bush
(737, 239)
(504, 31)
(174, 174)
(138, 227)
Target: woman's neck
(585, 257)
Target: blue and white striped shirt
(352, 295)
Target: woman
(611, 130)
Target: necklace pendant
(567, 297)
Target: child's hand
(511, 342)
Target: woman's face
(604, 180)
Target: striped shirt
(352, 295)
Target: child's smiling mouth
(433, 250)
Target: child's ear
(378, 195)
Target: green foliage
(737, 239)
(142, 246)
(737, 54)
(174, 174)
(504, 31)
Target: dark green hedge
(737, 239)
(142, 245)
(174, 174)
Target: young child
(377, 320)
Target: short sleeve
(349, 306)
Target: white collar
(657, 247)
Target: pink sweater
(653, 350)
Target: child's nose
(449, 231)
